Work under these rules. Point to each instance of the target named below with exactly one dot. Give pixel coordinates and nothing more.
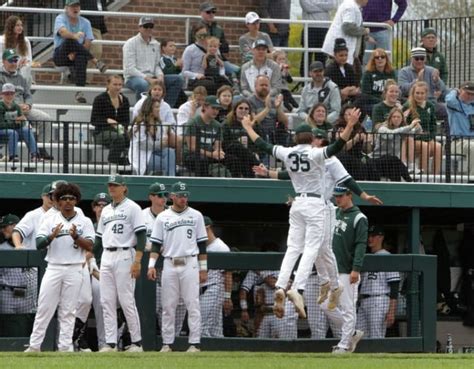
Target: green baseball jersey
(350, 239)
(206, 134)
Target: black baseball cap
(207, 6)
(316, 65)
(377, 230)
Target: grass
(231, 360)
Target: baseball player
(121, 228)
(378, 292)
(308, 223)
(349, 241)
(67, 235)
(54, 210)
(216, 291)
(251, 281)
(179, 235)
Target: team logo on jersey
(169, 226)
(340, 226)
(111, 218)
(372, 276)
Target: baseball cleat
(66, 349)
(279, 304)
(323, 293)
(108, 348)
(32, 349)
(134, 348)
(334, 296)
(165, 348)
(355, 340)
(336, 350)
(297, 300)
(193, 348)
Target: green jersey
(350, 239)
(437, 60)
(206, 134)
(8, 115)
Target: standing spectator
(435, 59)
(317, 117)
(315, 10)
(72, 41)
(378, 292)
(224, 95)
(380, 11)
(391, 99)
(252, 21)
(260, 65)
(281, 59)
(99, 28)
(111, 118)
(460, 105)
(191, 108)
(141, 63)
(276, 9)
(320, 90)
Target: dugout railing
(420, 314)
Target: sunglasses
(181, 195)
(13, 60)
(68, 198)
(148, 26)
(211, 12)
(419, 58)
(202, 35)
(380, 57)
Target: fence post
(65, 147)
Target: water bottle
(368, 124)
(449, 344)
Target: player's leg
(317, 320)
(362, 317)
(264, 328)
(377, 326)
(286, 328)
(108, 296)
(189, 285)
(206, 313)
(180, 315)
(82, 310)
(98, 314)
(169, 300)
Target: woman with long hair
(390, 100)
(152, 148)
(317, 117)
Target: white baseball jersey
(149, 219)
(28, 227)
(305, 165)
(53, 211)
(179, 233)
(335, 173)
(251, 279)
(63, 250)
(215, 276)
(377, 283)
(118, 224)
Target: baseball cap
(9, 219)
(302, 128)
(157, 189)
(46, 189)
(116, 179)
(320, 133)
(340, 190)
(259, 43)
(316, 65)
(10, 54)
(418, 51)
(56, 184)
(468, 86)
(8, 87)
(376, 229)
(428, 31)
(213, 101)
(340, 45)
(146, 20)
(102, 197)
(208, 221)
(73, 2)
(251, 18)
(205, 7)
(180, 188)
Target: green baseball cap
(72, 2)
(157, 189)
(47, 189)
(340, 190)
(208, 221)
(180, 188)
(376, 229)
(9, 219)
(302, 128)
(56, 184)
(213, 101)
(116, 179)
(102, 197)
(9, 54)
(429, 31)
(320, 133)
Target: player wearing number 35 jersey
(308, 224)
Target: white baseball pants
(212, 301)
(85, 296)
(371, 316)
(98, 313)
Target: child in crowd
(168, 62)
(280, 58)
(213, 64)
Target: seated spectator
(377, 72)
(236, 141)
(342, 73)
(141, 63)
(426, 146)
(288, 100)
(157, 92)
(394, 151)
(213, 64)
(317, 117)
(460, 105)
(320, 90)
(13, 124)
(72, 41)
(252, 21)
(169, 64)
(152, 142)
(14, 38)
(435, 59)
(40, 120)
(391, 99)
(203, 151)
(260, 64)
(191, 108)
(224, 96)
(111, 118)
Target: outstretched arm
(262, 145)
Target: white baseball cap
(251, 18)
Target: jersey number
(117, 228)
(299, 162)
(190, 233)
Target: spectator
(317, 117)
(191, 108)
(213, 65)
(169, 64)
(320, 90)
(260, 65)
(236, 141)
(460, 105)
(276, 9)
(39, 119)
(391, 99)
(252, 21)
(315, 10)
(111, 118)
(342, 73)
(13, 124)
(157, 92)
(72, 41)
(280, 58)
(380, 11)
(224, 95)
(152, 148)
(98, 25)
(418, 107)
(14, 38)
(271, 119)
(141, 63)
(429, 40)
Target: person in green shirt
(435, 59)
(391, 99)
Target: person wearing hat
(158, 196)
(72, 40)
(252, 22)
(18, 288)
(320, 90)
(179, 236)
(141, 63)
(460, 107)
(434, 58)
(276, 9)
(121, 232)
(378, 292)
